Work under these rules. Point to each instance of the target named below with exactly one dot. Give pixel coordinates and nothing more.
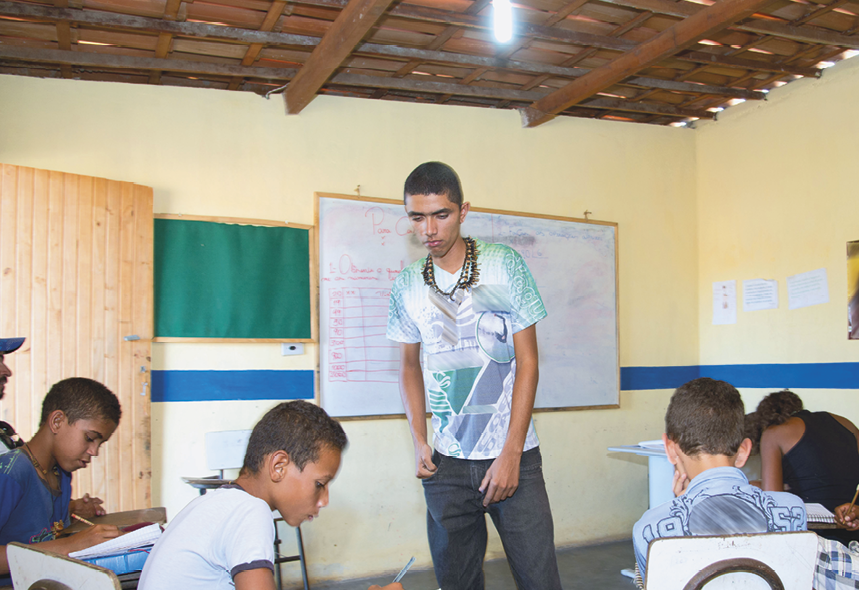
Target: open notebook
(139, 538)
(819, 513)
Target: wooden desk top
(127, 518)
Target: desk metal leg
(301, 558)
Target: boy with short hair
(705, 441)
(225, 538)
(78, 415)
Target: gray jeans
(456, 525)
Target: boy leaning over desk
(78, 415)
(705, 441)
(225, 538)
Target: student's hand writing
(396, 586)
(681, 482)
(87, 507)
(849, 520)
(424, 467)
(502, 478)
(92, 536)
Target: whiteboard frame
(318, 304)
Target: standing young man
(472, 307)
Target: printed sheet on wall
(365, 243)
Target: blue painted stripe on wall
(764, 376)
(196, 386)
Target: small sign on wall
(853, 290)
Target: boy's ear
(743, 453)
(670, 449)
(55, 420)
(277, 463)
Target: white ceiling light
(502, 20)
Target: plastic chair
(780, 561)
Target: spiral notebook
(819, 513)
(139, 538)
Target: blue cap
(8, 345)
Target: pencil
(404, 570)
(85, 521)
(853, 501)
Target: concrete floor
(594, 567)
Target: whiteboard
(365, 243)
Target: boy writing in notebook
(225, 538)
(78, 415)
(705, 441)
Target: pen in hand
(83, 520)
(404, 570)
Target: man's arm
(414, 401)
(502, 477)
(260, 578)
(771, 455)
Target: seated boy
(78, 415)
(225, 538)
(704, 440)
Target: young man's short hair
(434, 178)
(81, 399)
(300, 428)
(706, 416)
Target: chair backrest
(34, 568)
(780, 561)
(226, 449)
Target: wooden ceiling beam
(443, 88)
(616, 104)
(344, 34)
(747, 64)
(690, 87)
(123, 62)
(760, 26)
(668, 42)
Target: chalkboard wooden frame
(323, 308)
(312, 275)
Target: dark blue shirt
(29, 509)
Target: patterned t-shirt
(719, 501)
(468, 359)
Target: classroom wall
(211, 152)
(776, 189)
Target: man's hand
(87, 507)
(502, 478)
(849, 520)
(424, 467)
(396, 586)
(680, 483)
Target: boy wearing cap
(8, 437)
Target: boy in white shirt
(225, 538)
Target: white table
(660, 473)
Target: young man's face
(436, 221)
(5, 373)
(76, 444)
(302, 493)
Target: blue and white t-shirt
(719, 501)
(468, 358)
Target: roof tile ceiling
(649, 61)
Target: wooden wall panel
(75, 280)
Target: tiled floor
(595, 567)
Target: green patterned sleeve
(526, 304)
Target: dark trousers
(456, 525)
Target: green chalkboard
(222, 280)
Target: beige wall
(218, 153)
(777, 196)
